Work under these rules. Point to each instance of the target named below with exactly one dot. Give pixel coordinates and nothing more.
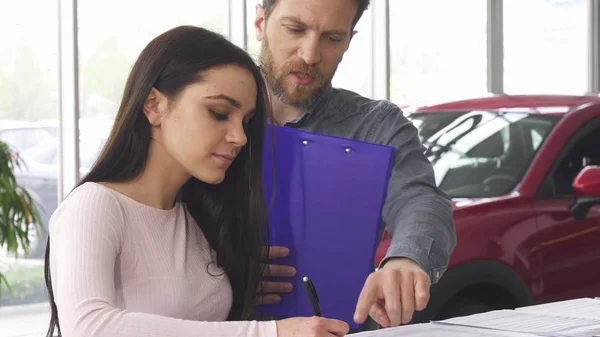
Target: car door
(567, 252)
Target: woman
(163, 237)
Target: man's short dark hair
(269, 5)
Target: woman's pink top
(120, 268)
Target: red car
(525, 234)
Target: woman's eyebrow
(229, 99)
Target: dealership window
(545, 46)
(437, 50)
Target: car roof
(86, 125)
(6, 124)
(546, 104)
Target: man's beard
(296, 95)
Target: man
(303, 42)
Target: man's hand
(392, 294)
(271, 290)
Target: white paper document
(534, 323)
(572, 318)
(437, 330)
(581, 307)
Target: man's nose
(310, 50)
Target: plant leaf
(18, 210)
(5, 281)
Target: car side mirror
(586, 188)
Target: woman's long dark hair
(232, 215)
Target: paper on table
(436, 330)
(534, 323)
(581, 307)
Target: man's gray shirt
(417, 213)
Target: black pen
(312, 296)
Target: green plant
(18, 211)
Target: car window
(484, 153)
(428, 123)
(48, 157)
(585, 152)
(47, 153)
(536, 138)
(22, 139)
(43, 153)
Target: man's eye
(294, 29)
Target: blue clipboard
(329, 195)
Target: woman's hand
(311, 327)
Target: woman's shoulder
(93, 194)
(90, 202)
(89, 214)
